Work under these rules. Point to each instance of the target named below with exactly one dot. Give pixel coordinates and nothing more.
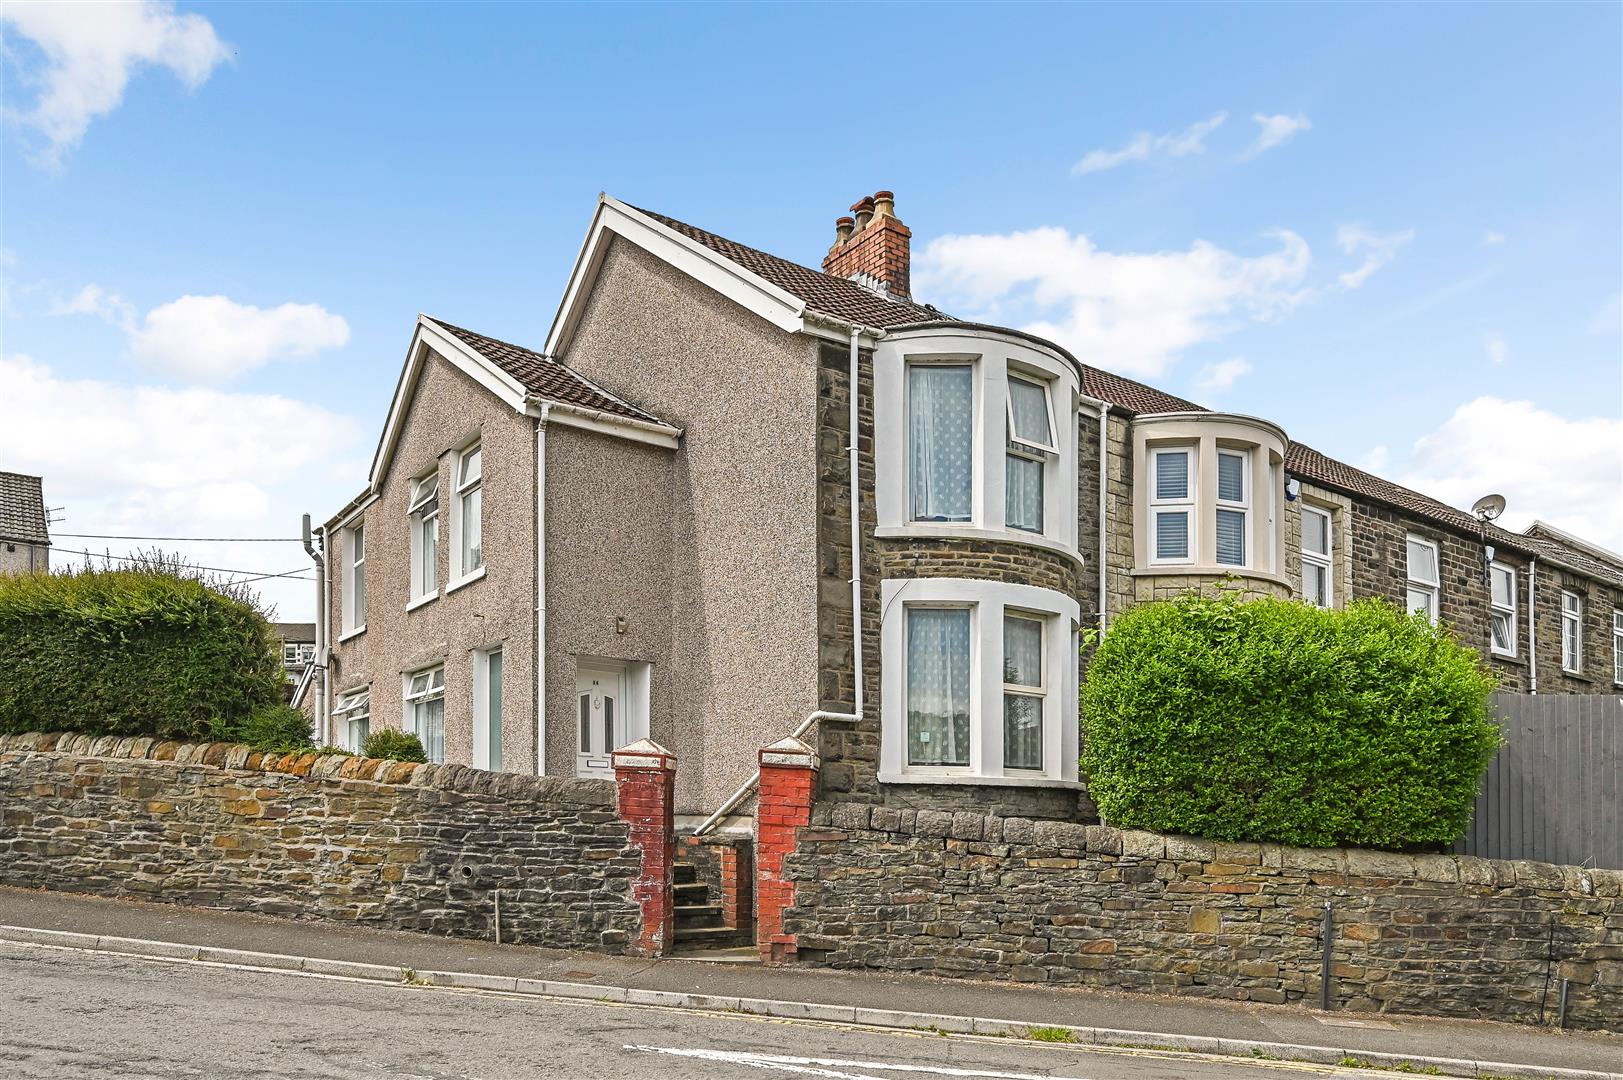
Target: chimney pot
(842, 232)
(884, 204)
(863, 208)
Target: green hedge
(1272, 720)
(393, 745)
(144, 651)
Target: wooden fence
(1555, 792)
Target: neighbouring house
(25, 537)
(297, 641)
(659, 503)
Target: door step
(737, 954)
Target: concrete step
(692, 892)
(710, 937)
(697, 915)
(686, 873)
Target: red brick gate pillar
(645, 780)
(788, 786)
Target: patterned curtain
(941, 400)
(938, 686)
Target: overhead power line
(297, 573)
(198, 539)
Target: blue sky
(1396, 230)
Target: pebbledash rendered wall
(973, 896)
(385, 844)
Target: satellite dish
(1488, 507)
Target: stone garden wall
(385, 844)
(967, 895)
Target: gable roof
(22, 509)
(543, 375)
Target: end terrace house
(661, 502)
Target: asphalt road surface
(70, 1014)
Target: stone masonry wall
(972, 896)
(385, 844)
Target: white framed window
(425, 710)
(354, 579)
(979, 683)
(1232, 522)
(487, 709)
(354, 712)
(941, 441)
(1031, 446)
(1617, 647)
(1025, 691)
(423, 519)
(1172, 504)
(1318, 556)
(1572, 632)
(1502, 610)
(1423, 570)
(467, 513)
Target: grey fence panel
(1554, 793)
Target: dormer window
(1030, 448)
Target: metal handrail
(749, 785)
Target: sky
(1396, 230)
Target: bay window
(1318, 544)
(1502, 610)
(979, 683)
(467, 514)
(423, 519)
(425, 710)
(1172, 505)
(1030, 447)
(941, 440)
(1422, 570)
(1233, 483)
(1572, 632)
(354, 712)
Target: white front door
(600, 718)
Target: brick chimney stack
(874, 246)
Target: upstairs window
(423, 516)
(1172, 505)
(1024, 694)
(1030, 447)
(470, 473)
(1617, 647)
(353, 598)
(1502, 613)
(1424, 583)
(1318, 544)
(1572, 632)
(941, 441)
(425, 710)
(354, 711)
(1233, 506)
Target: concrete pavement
(1098, 1016)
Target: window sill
(355, 633)
(465, 579)
(943, 531)
(970, 780)
(1506, 658)
(1197, 570)
(427, 598)
(1577, 675)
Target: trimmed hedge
(133, 652)
(393, 745)
(1272, 720)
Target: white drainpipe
(541, 588)
(1103, 409)
(1532, 626)
(853, 386)
(316, 557)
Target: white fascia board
(607, 423)
(751, 291)
(428, 335)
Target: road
(70, 1014)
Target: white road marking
(818, 1066)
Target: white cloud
(101, 303)
(1376, 460)
(90, 51)
(1376, 249)
(1223, 374)
(1273, 130)
(1609, 319)
(1131, 312)
(152, 460)
(1492, 238)
(213, 337)
(1498, 349)
(1565, 471)
(1191, 140)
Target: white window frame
(1326, 560)
(1040, 691)
(1617, 646)
(423, 521)
(410, 700)
(1242, 507)
(1508, 611)
(975, 478)
(354, 707)
(1433, 588)
(487, 744)
(1029, 449)
(290, 654)
(1187, 504)
(1572, 616)
(989, 601)
(353, 583)
(464, 490)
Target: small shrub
(1271, 720)
(278, 729)
(394, 745)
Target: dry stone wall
(385, 844)
(974, 896)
